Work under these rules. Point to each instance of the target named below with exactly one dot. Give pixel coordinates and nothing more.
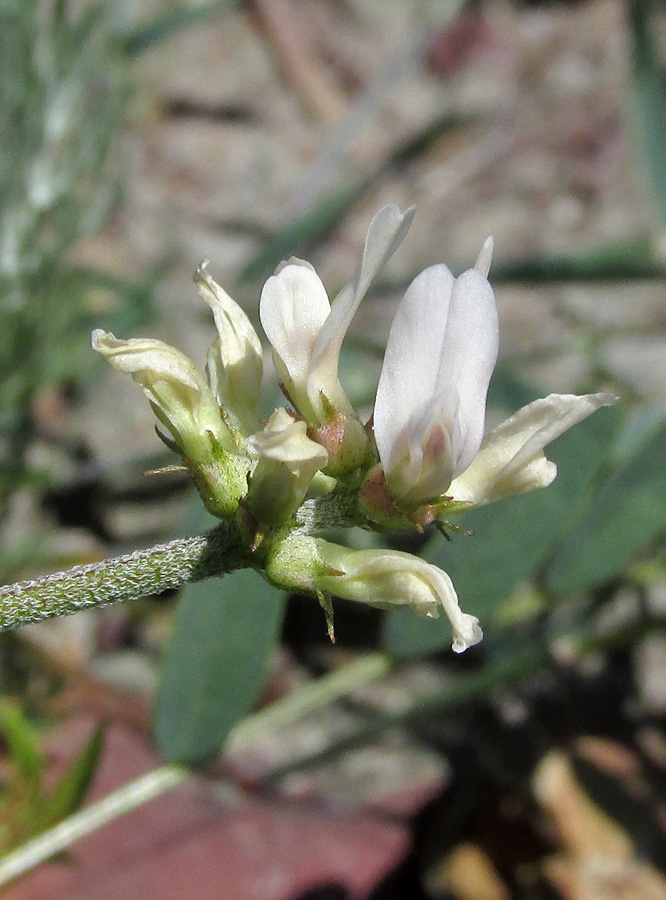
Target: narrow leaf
(23, 743)
(69, 793)
(626, 516)
(164, 26)
(647, 109)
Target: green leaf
(647, 108)
(164, 26)
(216, 663)
(510, 539)
(68, 794)
(622, 521)
(612, 262)
(618, 261)
(300, 235)
(23, 743)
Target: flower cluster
(422, 456)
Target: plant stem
(151, 571)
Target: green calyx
(221, 483)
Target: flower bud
(288, 461)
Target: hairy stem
(127, 577)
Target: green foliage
(224, 634)
(62, 97)
(647, 106)
(624, 517)
(70, 790)
(27, 807)
(147, 35)
(22, 744)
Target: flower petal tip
(96, 337)
(485, 257)
(468, 633)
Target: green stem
(466, 689)
(160, 568)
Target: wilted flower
(179, 396)
(235, 362)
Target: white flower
(288, 461)
(306, 332)
(430, 408)
(431, 399)
(224, 407)
(389, 579)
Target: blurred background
(138, 138)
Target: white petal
(485, 257)
(468, 358)
(235, 361)
(285, 440)
(511, 460)
(293, 307)
(392, 578)
(236, 332)
(425, 468)
(408, 380)
(179, 395)
(440, 355)
(293, 261)
(137, 355)
(385, 233)
(288, 461)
